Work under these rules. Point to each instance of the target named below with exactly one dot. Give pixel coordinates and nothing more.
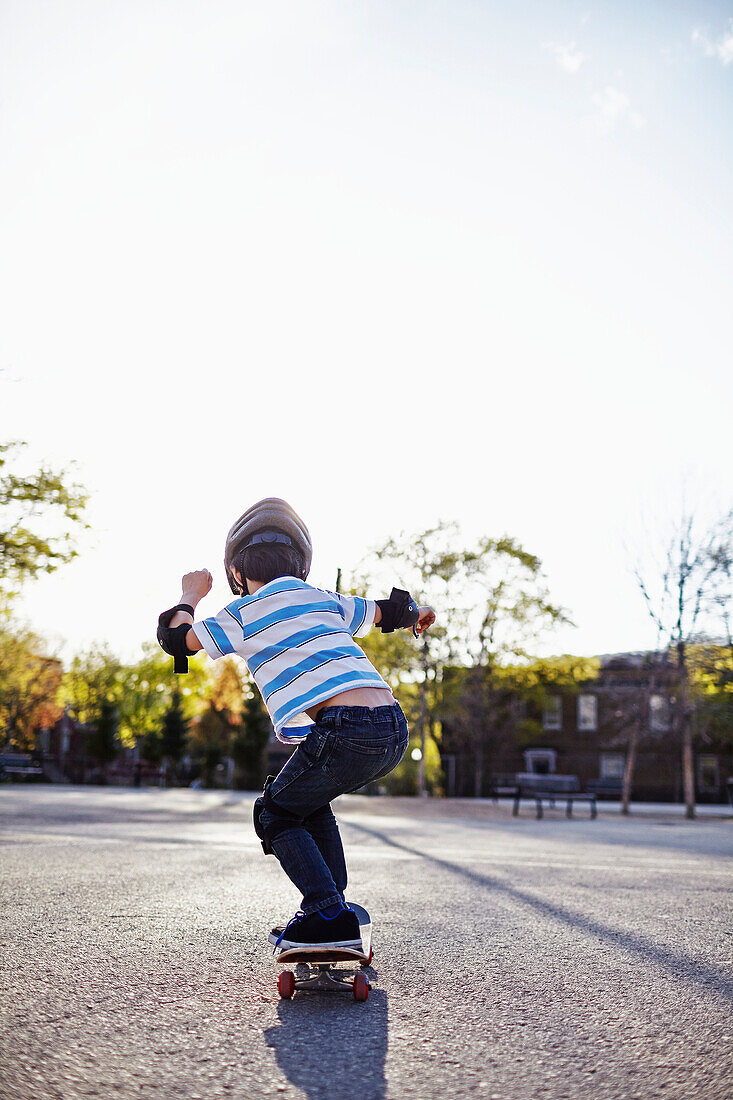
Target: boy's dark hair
(266, 562)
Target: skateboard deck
(321, 969)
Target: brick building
(584, 730)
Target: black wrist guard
(400, 610)
(173, 639)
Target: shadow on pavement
(680, 966)
(330, 1047)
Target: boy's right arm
(194, 587)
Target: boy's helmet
(270, 514)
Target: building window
(540, 761)
(659, 716)
(612, 765)
(707, 773)
(587, 712)
(552, 714)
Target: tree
(513, 611)
(210, 737)
(141, 693)
(41, 514)
(101, 740)
(426, 563)
(711, 669)
(249, 743)
(535, 682)
(175, 730)
(95, 678)
(215, 729)
(29, 688)
(688, 596)
(491, 601)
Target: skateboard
(318, 969)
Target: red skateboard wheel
(286, 984)
(361, 987)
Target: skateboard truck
(323, 977)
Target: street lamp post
(423, 719)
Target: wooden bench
(18, 763)
(551, 789)
(610, 788)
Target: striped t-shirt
(298, 645)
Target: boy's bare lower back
(356, 697)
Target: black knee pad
(283, 819)
(257, 809)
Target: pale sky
(394, 262)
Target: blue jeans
(346, 748)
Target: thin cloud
(615, 106)
(721, 47)
(567, 55)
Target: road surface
(514, 958)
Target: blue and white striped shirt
(298, 645)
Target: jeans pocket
(351, 766)
(366, 746)
(316, 743)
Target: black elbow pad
(173, 639)
(400, 610)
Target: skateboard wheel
(286, 984)
(361, 987)
(369, 960)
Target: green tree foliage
(530, 684)
(427, 564)
(94, 679)
(405, 779)
(711, 687)
(689, 595)
(249, 743)
(101, 740)
(40, 516)
(210, 739)
(146, 691)
(142, 692)
(175, 730)
(29, 687)
(492, 604)
(213, 733)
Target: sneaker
(316, 930)
(276, 933)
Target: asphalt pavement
(514, 958)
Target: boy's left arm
(426, 619)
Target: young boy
(298, 644)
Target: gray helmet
(270, 514)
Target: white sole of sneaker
(335, 945)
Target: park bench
(18, 763)
(610, 788)
(552, 788)
(503, 790)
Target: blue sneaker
(319, 931)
